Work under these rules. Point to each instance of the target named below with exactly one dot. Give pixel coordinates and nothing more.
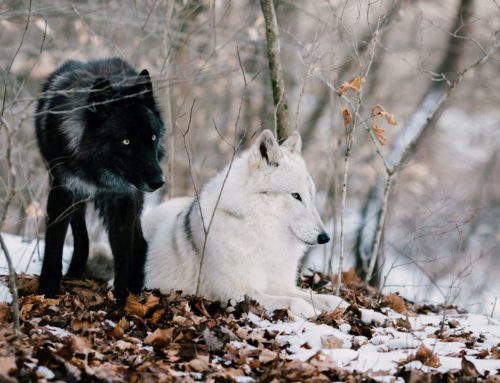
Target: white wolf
(264, 221)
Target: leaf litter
(83, 336)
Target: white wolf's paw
(301, 308)
(323, 302)
(370, 316)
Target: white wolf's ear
(265, 150)
(293, 143)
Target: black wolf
(100, 131)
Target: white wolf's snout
(310, 229)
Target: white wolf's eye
(126, 141)
(153, 137)
(297, 196)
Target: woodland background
(442, 229)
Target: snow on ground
(26, 257)
(388, 347)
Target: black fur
(85, 113)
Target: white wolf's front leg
(296, 305)
(321, 302)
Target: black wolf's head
(125, 131)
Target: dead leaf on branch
(378, 111)
(346, 114)
(379, 133)
(354, 84)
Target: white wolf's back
(165, 212)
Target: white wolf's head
(279, 176)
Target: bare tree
(446, 78)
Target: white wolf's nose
(323, 238)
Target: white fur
(257, 237)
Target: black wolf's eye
(297, 196)
(126, 141)
(153, 137)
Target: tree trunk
(275, 71)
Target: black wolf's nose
(323, 238)
(156, 182)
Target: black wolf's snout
(156, 182)
(323, 238)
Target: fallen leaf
(199, 364)
(427, 357)
(468, 368)
(134, 307)
(331, 341)
(267, 356)
(395, 302)
(159, 337)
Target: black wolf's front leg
(80, 242)
(120, 220)
(59, 210)
(136, 279)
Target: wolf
(264, 220)
(99, 131)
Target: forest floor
(83, 336)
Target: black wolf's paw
(48, 287)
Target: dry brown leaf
(267, 356)
(379, 133)
(468, 368)
(160, 337)
(403, 323)
(331, 341)
(346, 114)
(157, 315)
(390, 119)
(378, 110)
(7, 363)
(199, 364)
(354, 84)
(495, 352)
(134, 307)
(395, 302)
(427, 357)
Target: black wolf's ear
(293, 143)
(265, 150)
(143, 86)
(100, 96)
